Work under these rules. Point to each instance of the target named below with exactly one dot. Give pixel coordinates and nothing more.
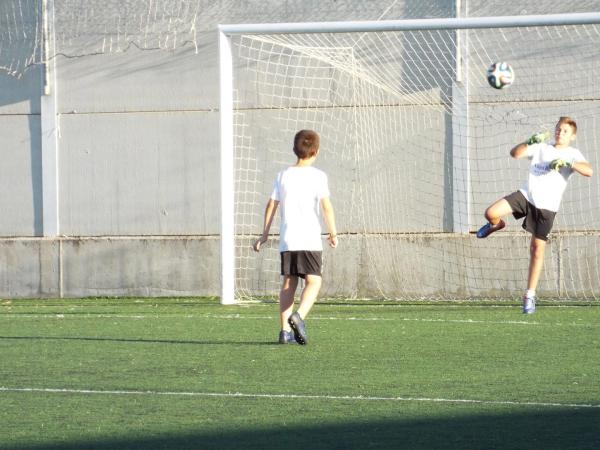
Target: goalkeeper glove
(537, 138)
(558, 164)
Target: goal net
(86, 28)
(80, 28)
(416, 145)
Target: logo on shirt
(541, 168)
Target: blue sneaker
(528, 305)
(488, 229)
(286, 337)
(297, 325)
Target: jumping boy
(538, 201)
(303, 192)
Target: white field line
(295, 397)
(315, 317)
(247, 304)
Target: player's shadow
(550, 429)
(138, 341)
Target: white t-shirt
(545, 187)
(299, 191)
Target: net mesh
(415, 157)
(83, 28)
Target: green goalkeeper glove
(558, 164)
(537, 138)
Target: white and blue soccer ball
(500, 75)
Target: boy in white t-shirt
(539, 200)
(303, 193)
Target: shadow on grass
(557, 429)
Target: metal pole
(49, 127)
(415, 24)
(227, 181)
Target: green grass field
(190, 373)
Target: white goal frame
(227, 106)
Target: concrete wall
(185, 265)
(139, 169)
(109, 266)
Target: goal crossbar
(415, 24)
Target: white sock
(530, 293)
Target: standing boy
(538, 201)
(303, 192)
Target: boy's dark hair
(306, 144)
(568, 121)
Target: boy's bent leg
(286, 299)
(312, 285)
(494, 215)
(497, 210)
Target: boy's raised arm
(583, 168)
(520, 150)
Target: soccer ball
(500, 75)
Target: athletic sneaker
(286, 337)
(528, 305)
(297, 325)
(488, 229)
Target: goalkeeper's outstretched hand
(537, 138)
(558, 164)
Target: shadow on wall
(534, 429)
(18, 97)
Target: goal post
(416, 146)
(227, 180)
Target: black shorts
(301, 263)
(537, 221)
